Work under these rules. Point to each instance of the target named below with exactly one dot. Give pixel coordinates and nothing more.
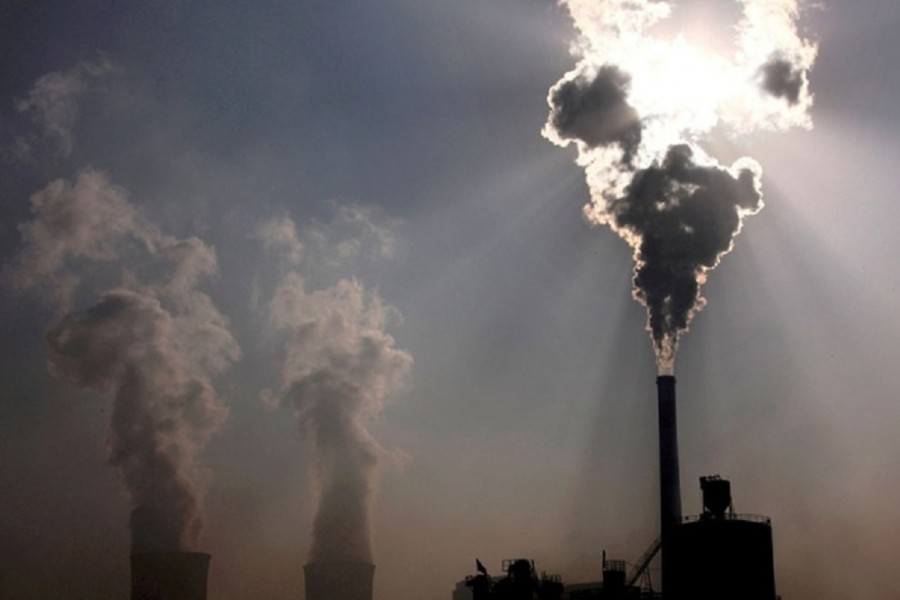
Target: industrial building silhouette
(713, 556)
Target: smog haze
(305, 280)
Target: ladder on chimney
(641, 565)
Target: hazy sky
(403, 141)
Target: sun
(678, 87)
(685, 85)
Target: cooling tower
(669, 480)
(169, 576)
(339, 581)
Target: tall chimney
(169, 575)
(669, 480)
(339, 580)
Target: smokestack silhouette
(339, 581)
(169, 576)
(669, 478)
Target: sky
(379, 170)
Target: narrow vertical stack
(669, 478)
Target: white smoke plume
(340, 366)
(152, 347)
(638, 106)
(353, 230)
(90, 219)
(280, 235)
(53, 105)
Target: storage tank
(720, 554)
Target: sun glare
(679, 88)
(683, 87)
(680, 82)
(640, 107)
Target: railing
(614, 565)
(729, 517)
(643, 562)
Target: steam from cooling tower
(152, 347)
(638, 107)
(340, 365)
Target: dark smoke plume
(150, 346)
(638, 122)
(686, 217)
(340, 366)
(593, 108)
(782, 79)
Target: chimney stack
(669, 479)
(169, 575)
(339, 580)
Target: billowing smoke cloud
(88, 219)
(637, 107)
(153, 347)
(686, 216)
(340, 366)
(127, 346)
(592, 108)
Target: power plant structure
(521, 581)
(714, 555)
(169, 575)
(339, 580)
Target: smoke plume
(340, 366)
(88, 220)
(592, 108)
(52, 105)
(639, 107)
(152, 347)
